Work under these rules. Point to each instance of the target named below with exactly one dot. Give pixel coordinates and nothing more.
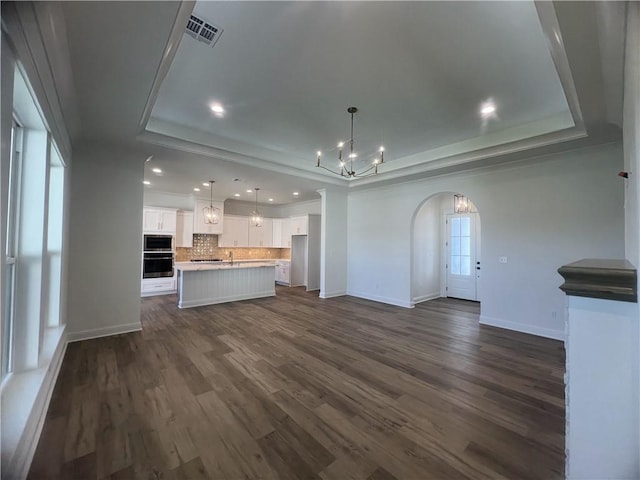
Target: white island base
(210, 284)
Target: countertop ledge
(608, 279)
(198, 267)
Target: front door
(462, 265)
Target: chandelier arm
(340, 174)
(367, 170)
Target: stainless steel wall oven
(158, 256)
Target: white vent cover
(203, 30)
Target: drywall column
(602, 376)
(105, 236)
(333, 243)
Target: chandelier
(211, 214)
(345, 168)
(256, 218)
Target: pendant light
(256, 218)
(211, 214)
(461, 204)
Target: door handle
(477, 268)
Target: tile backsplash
(205, 246)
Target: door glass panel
(461, 245)
(465, 246)
(465, 226)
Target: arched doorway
(446, 260)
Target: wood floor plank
(294, 387)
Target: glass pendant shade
(211, 214)
(461, 204)
(256, 218)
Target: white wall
(539, 214)
(427, 251)
(311, 207)
(167, 200)
(333, 243)
(105, 242)
(631, 132)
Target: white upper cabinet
(158, 220)
(261, 236)
(236, 232)
(184, 229)
(285, 238)
(198, 218)
(300, 225)
(282, 232)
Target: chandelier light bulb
(319, 153)
(353, 155)
(341, 144)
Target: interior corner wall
(540, 214)
(105, 242)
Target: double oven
(157, 256)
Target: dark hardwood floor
(295, 387)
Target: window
(9, 308)
(33, 286)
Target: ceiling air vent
(203, 30)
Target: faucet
(231, 257)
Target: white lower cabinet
(158, 286)
(282, 273)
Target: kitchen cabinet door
(198, 219)
(285, 240)
(236, 232)
(168, 221)
(261, 236)
(184, 229)
(300, 225)
(277, 232)
(158, 220)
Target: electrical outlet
(502, 259)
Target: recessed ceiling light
(196, 189)
(148, 158)
(236, 194)
(156, 170)
(147, 182)
(217, 109)
(296, 193)
(205, 184)
(487, 109)
(249, 191)
(271, 199)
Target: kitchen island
(220, 282)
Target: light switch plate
(503, 259)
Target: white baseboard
(104, 332)
(523, 327)
(22, 456)
(337, 293)
(387, 300)
(428, 296)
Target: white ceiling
(287, 71)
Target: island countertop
(203, 266)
